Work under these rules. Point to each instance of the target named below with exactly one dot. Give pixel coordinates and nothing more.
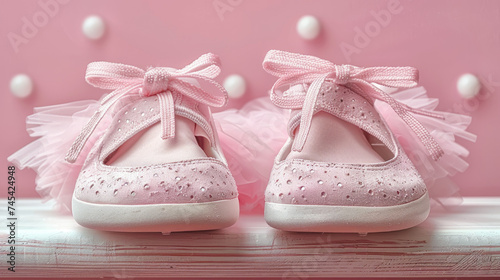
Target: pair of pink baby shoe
(154, 162)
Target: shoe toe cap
(315, 183)
(193, 181)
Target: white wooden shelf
(462, 242)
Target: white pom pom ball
(21, 86)
(468, 85)
(93, 27)
(308, 27)
(235, 86)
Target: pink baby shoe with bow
(158, 166)
(343, 168)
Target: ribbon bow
(298, 69)
(126, 80)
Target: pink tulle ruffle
(251, 138)
(445, 131)
(57, 127)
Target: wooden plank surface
(461, 242)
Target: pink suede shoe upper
(192, 181)
(296, 181)
(142, 99)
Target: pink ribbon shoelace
(292, 69)
(125, 80)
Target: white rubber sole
(358, 219)
(164, 218)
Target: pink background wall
(444, 39)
